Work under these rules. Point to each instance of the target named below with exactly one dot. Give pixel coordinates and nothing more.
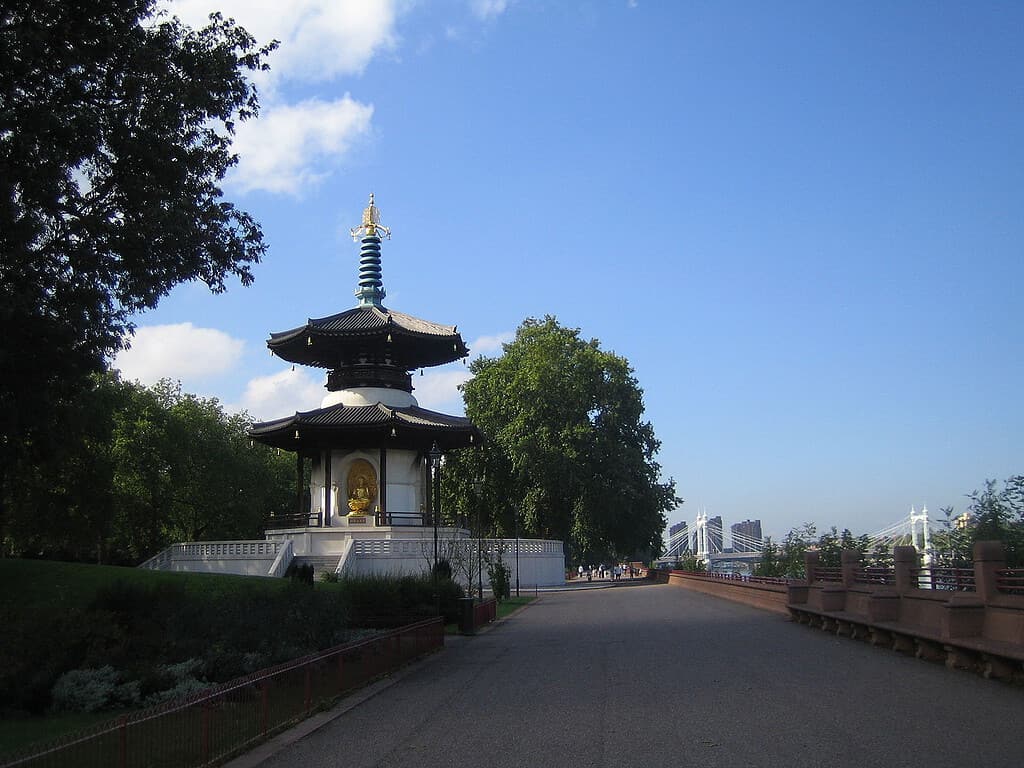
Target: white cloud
(319, 39)
(293, 146)
(280, 394)
(439, 390)
(179, 352)
(487, 345)
(488, 9)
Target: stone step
(320, 563)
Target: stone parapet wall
(767, 595)
(975, 621)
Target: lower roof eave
(312, 441)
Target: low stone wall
(241, 558)
(541, 562)
(971, 619)
(769, 595)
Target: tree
(690, 563)
(832, 544)
(567, 454)
(787, 559)
(993, 514)
(770, 563)
(156, 466)
(115, 132)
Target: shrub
(90, 690)
(442, 569)
(177, 681)
(390, 601)
(301, 573)
(500, 577)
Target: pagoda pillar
(298, 484)
(428, 487)
(325, 519)
(383, 518)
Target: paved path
(654, 675)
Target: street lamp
(517, 550)
(435, 466)
(478, 486)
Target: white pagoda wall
(405, 482)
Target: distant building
(715, 537)
(745, 534)
(678, 540)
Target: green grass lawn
(513, 604)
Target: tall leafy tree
(115, 133)
(155, 466)
(787, 558)
(993, 514)
(568, 454)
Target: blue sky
(800, 222)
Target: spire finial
(371, 222)
(371, 287)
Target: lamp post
(435, 467)
(517, 551)
(478, 486)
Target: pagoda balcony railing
(414, 519)
(403, 518)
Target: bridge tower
(700, 537)
(923, 543)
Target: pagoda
(372, 450)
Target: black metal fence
(210, 726)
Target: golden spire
(371, 222)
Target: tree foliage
(153, 466)
(568, 455)
(992, 514)
(787, 558)
(115, 133)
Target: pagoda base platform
(352, 550)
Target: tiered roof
(366, 335)
(368, 426)
(368, 346)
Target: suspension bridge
(705, 539)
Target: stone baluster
(850, 564)
(905, 563)
(812, 560)
(989, 557)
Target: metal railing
(212, 725)
(420, 519)
(946, 579)
(292, 520)
(828, 574)
(875, 575)
(484, 612)
(1010, 581)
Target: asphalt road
(654, 675)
